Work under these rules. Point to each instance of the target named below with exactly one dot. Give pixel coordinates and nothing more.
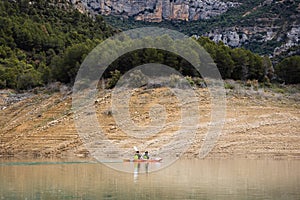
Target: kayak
(142, 160)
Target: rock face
(231, 37)
(239, 36)
(158, 10)
(257, 28)
(293, 39)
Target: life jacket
(145, 156)
(136, 157)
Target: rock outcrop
(293, 39)
(239, 36)
(230, 37)
(158, 10)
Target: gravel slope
(257, 125)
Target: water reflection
(136, 171)
(186, 179)
(137, 167)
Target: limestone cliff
(240, 36)
(266, 26)
(158, 10)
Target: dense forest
(237, 64)
(43, 42)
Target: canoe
(143, 161)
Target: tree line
(242, 64)
(232, 63)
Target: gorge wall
(270, 27)
(158, 10)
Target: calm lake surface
(185, 179)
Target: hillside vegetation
(46, 41)
(41, 42)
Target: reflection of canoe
(141, 160)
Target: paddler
(146, 155)
(137, 155)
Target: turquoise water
(185, 179)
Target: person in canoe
(146, 156)
(137, 156)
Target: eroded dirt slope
(256, 125)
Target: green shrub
(229, 86)
(115, 76)
(175, 80)
(190, 80)
(288, 70)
